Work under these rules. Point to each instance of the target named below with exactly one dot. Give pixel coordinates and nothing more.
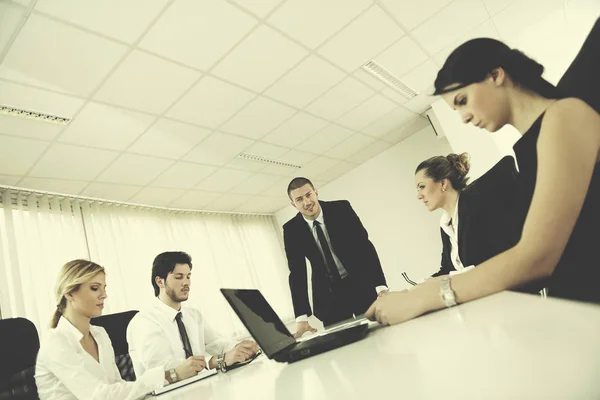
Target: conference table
(506, 346)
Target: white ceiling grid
(164, 94)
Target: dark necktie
(330, 266)
(184, 337)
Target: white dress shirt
(154, 338)
(450, 226)
(65, 371)
(338, 263)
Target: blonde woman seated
(76, 360)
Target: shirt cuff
(380, 289)
(302, 318)
(462, 271)
(154, 378)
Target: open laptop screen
(260, 319)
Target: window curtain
(39, 234)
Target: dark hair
(453, 167)
(164, 263)
(297, 183)
(472, 61)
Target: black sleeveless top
(577, 275)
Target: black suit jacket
(351, 244)
(489, 221)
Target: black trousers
(349, 298)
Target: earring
(443, 189)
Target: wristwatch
(173, 375)
(446, 292)
(221, 364)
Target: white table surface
(506, 346)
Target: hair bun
(519, 65)
(460, 162)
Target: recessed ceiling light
(272, 161)
(385, 76)
(19, 112)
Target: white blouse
(65, 371)
(450, 226)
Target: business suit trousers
(348, 299)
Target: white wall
(382, 192)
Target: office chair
(116, 327)
(19, 346)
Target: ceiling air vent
(389, 79)
(19, 112)
(272, 161)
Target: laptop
(274, 338)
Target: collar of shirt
(167, 310)
(319, 218)
(70, 330)
(446, 221)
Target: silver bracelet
(221, 366)
(446, 292)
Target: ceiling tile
(183, 175)
(106, 127)
(336, 171)
(280, 170)
(421, 77)
(340, 99)
(421, 102)
(210, 103)
(38, 100)
(110, 191)
(169, 139)
(394, 95)
(390, 121)
(256, 184)
(412, 126)
(295, 130)
(518, 17)
(401, 57)
(133, 169)
(223, 180)
(31, 128)
(369, 79)
(367, 112)
(146, 83)
(259, 7)
(218, 149)
(298, 157)
(17, 155)
(369, 152)
(10, 180)
(313, 21)
(278, 190)
(267, 150)
(495, 6)
(228, 202)
(58, 57)
(127, 24)
(246, 165)
(350, 146)
(258, 118)
(316, 167)
(311, 78)
(484, 30)
(194, 200)
(265, 56)
(356, 44)
(198, 33)
(411, 13)
(325, 139)
(54, 185)
(11, 18)
(156, 196)
(65, 161)
(450, 24)
(263, 204)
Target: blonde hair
(71, 276)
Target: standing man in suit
(346, 272)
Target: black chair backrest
(582, 78)
(116, 328)
(19, 346)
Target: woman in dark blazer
(480, 220)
